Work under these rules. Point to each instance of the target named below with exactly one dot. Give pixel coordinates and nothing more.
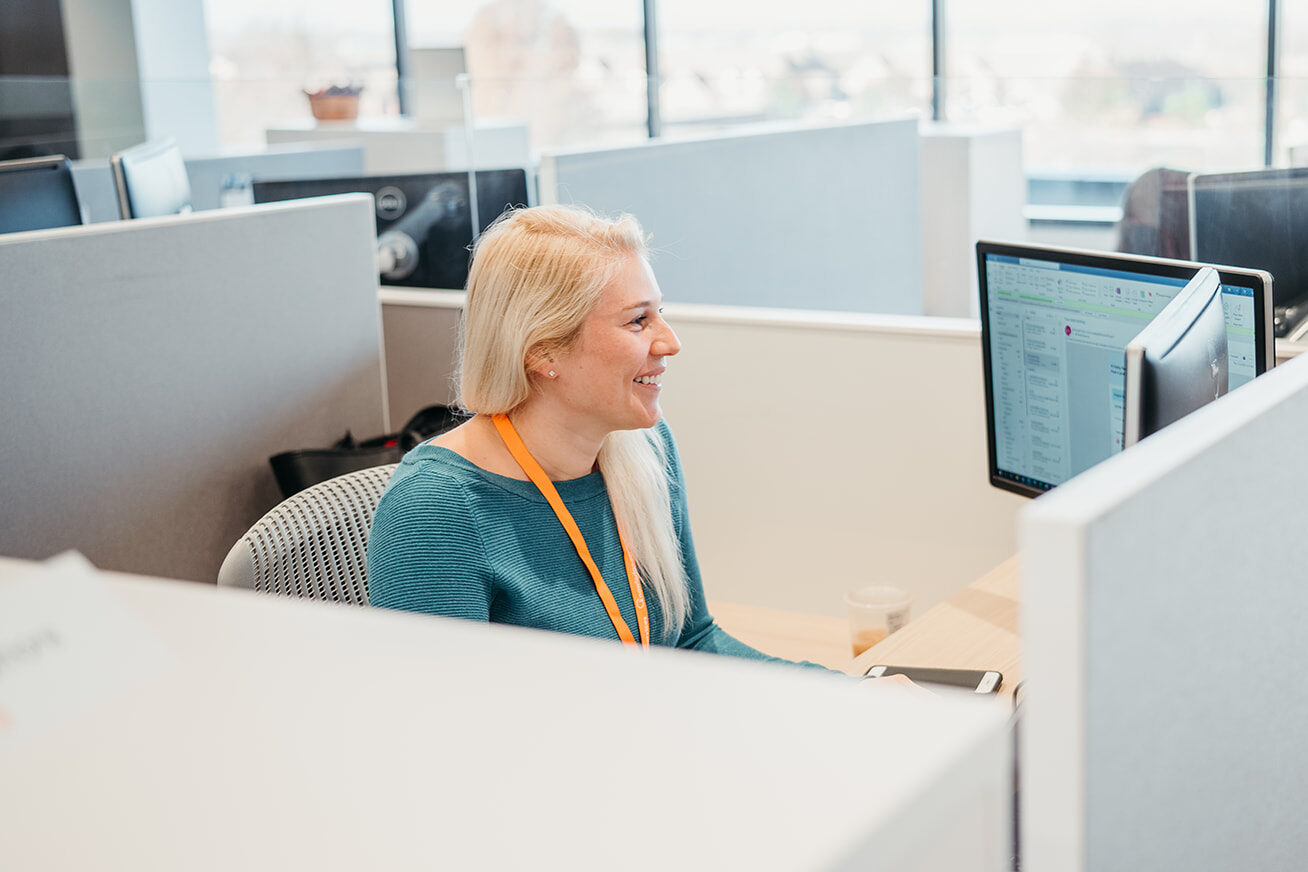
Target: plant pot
(343, 107)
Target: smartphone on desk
(975, 680)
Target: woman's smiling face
(612, 373)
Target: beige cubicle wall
(822, 451)
(825, 452)
(151, 367)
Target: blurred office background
(1101, 92)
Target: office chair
(313, 544)
(151, 180)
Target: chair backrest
(151, 180)
(313, 544)
(1156, 215)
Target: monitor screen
(37, 193)
(1054, 328)
(430, 208)
(1257, 220)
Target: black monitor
(424, 220)
(37, 193)
(151, 180)
(1259, 220)
(1055, 324)
(1178, 362)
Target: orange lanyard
(513, 442)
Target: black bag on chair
(297, 470)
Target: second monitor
(1055, 324)
(431, 209)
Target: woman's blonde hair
(536, 274)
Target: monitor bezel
(1259, 280)
(55, 163)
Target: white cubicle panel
(95, 183)
(151, 367)
(394, 144)
(803, 218)
(151, 725)
(1163, 619)
(823, 451)
(973, 187)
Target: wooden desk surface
(974, 629)
(792, 635)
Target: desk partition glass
(1054, 328)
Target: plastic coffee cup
(874, 613)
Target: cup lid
(879, 595)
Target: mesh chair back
(313, 544)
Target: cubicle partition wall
(151, 368)
(822, 452)
(1163, 620)
(95, 183)
(973, 187)
(814, 218)
(827, 453)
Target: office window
(1117, 85)
(574, 70)
(264, 55)
(1292, 85)
(725, 62)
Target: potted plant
(335, 102)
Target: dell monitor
(151, 180)
(1178, 362)
(1257, 220)
(37, 193)
(424, 221)
(1055, 324)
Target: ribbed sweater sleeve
(425, 553)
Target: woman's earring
(552, 373)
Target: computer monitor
(1055, 323)
(1178, 362)
(1259, 220)
(431, 210)
(37, 193)
(151, 180)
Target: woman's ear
(540, 362)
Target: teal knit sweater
(450, 538)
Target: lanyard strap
(514, 443)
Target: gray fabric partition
(1162, 625)
(800, 218)
(95, 182)
(151, 367)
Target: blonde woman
(559, 505)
